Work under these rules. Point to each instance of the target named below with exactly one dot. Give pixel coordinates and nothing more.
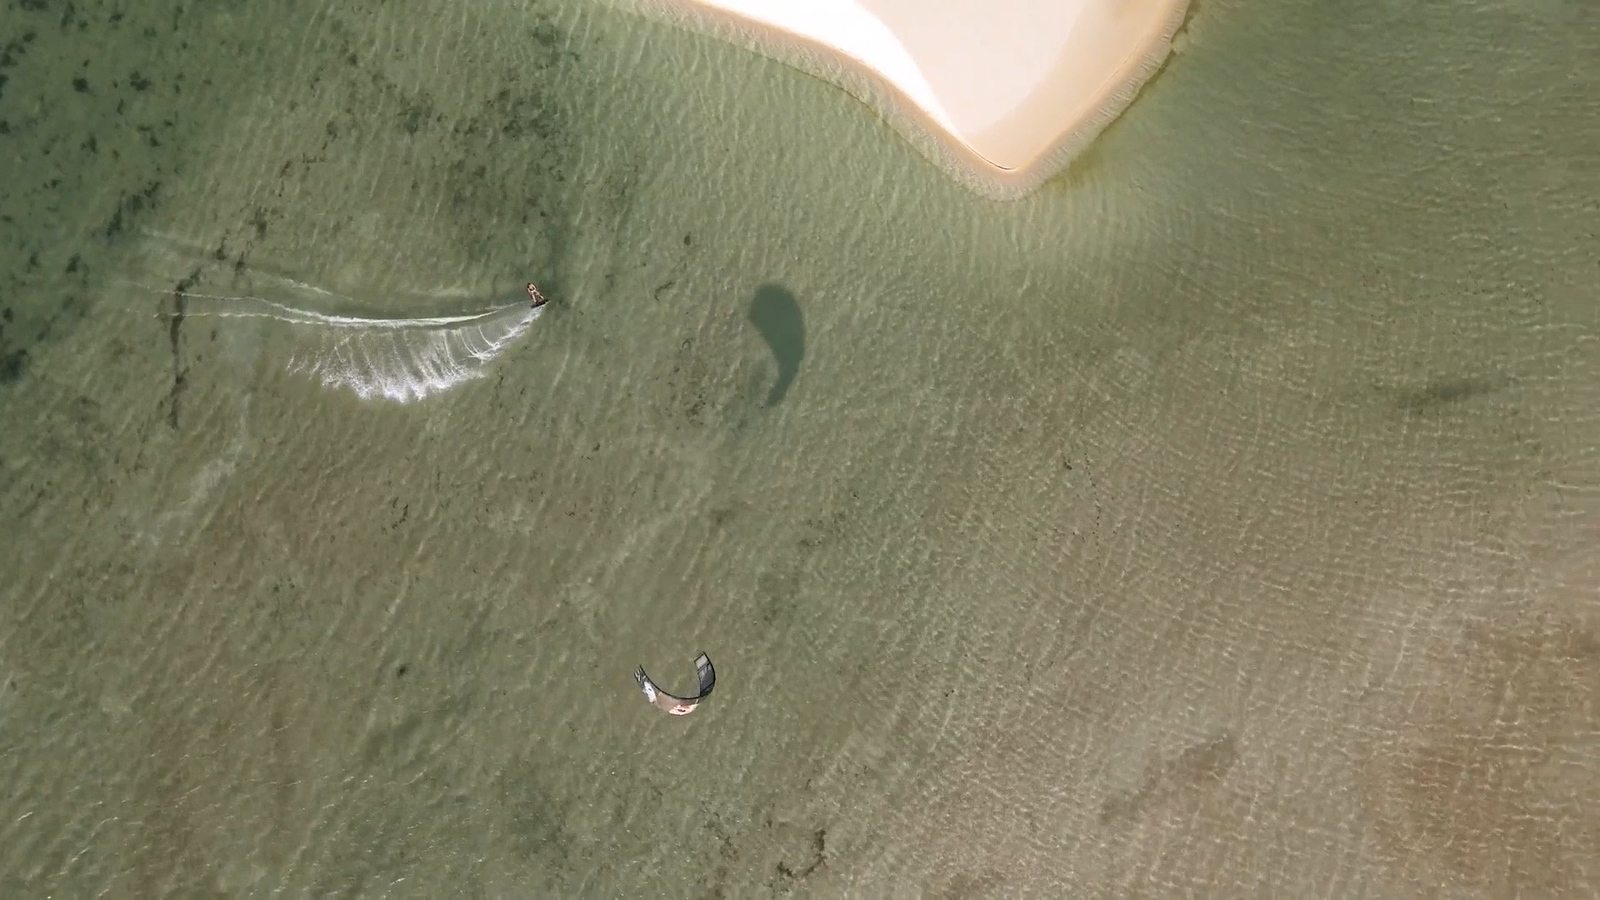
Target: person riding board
(534, 295)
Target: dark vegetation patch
(1443, 392)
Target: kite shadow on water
(776, 316)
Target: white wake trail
(402, 359)
(395, 358)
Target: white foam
(408, 359)
(400, 359)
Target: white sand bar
(1009, 90)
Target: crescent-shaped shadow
(776, 316)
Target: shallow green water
(1218, 519)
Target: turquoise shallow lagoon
(1218, 519)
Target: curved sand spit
(1003, 93)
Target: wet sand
(1218, 518)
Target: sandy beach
(1002, 94)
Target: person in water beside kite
(534, 295)
(673, 705)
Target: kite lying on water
(679, 706)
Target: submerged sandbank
(1003, 93)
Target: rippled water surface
(1218, 519)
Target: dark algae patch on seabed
(112, 117)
